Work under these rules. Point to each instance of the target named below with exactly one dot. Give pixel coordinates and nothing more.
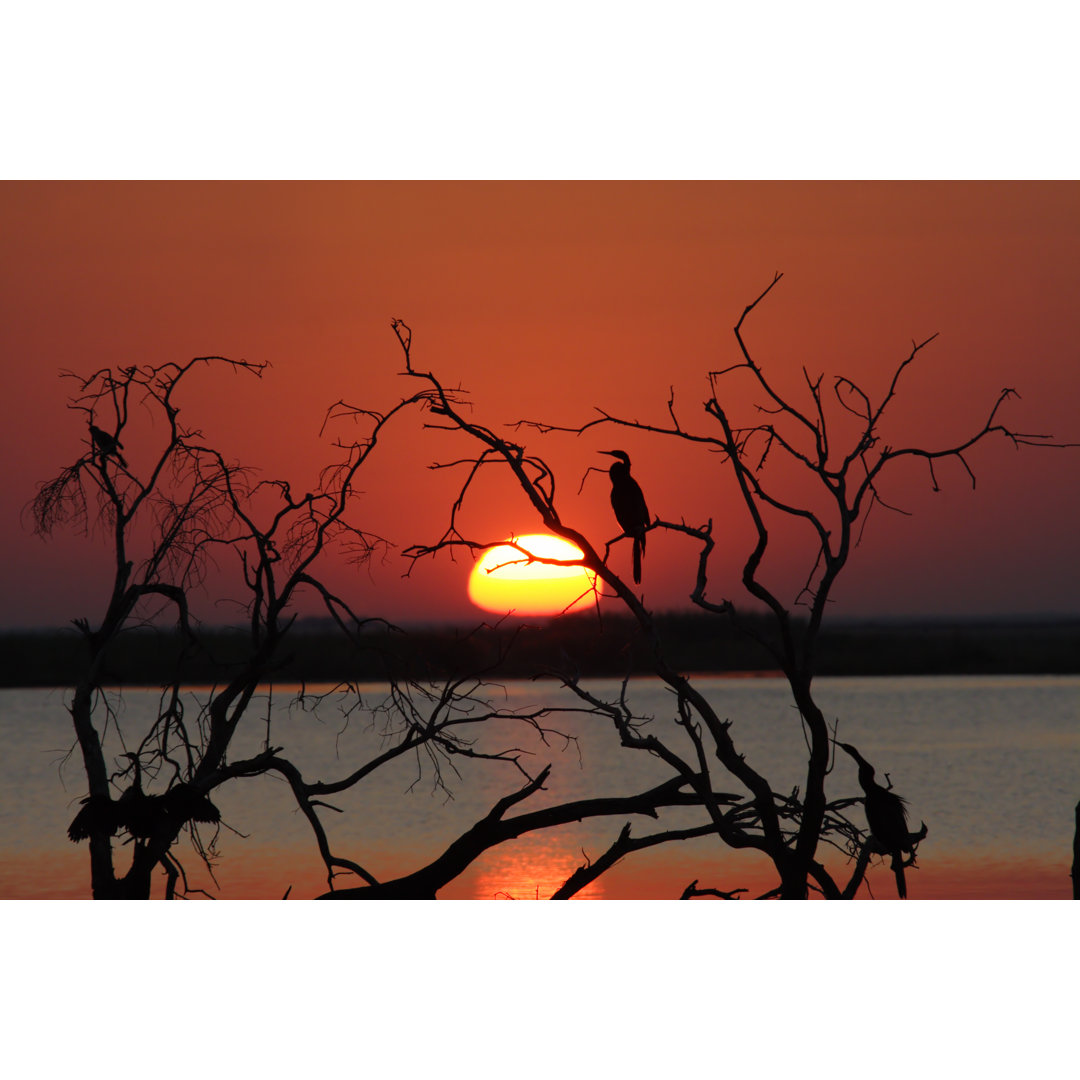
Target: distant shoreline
(315, 652)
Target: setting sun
(505, 580)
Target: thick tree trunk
(134, 885)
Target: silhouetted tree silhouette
(178, 508)
(841, 474)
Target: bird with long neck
(886, 816)
(135, 809)
(628, 502)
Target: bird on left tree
(109, 445)
(142, 815)
(628, 502)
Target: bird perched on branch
(109, 445)
(629, 505)
(141, 814)
(886, 816)
(98, 813)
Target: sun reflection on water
(531, 868)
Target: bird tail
(639, 544)
(898, 870)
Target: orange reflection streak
(531, 868)
(504, 579)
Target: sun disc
(506, 580)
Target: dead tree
(171, 514)
(176, 512)
(842, 474)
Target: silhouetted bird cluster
(886, 817)
(109, 445)
(629, 505)
(141, 814)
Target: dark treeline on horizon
(317, 652)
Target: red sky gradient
(545, 300)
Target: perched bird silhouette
(135, 810)
(886, 816)
(98, 812)
(141, 814)
(109, 445)
(629, 505)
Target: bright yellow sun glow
(504, 580)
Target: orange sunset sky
(544, 300)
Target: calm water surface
(992, 765)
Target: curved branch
(494, 828)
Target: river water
(991, 764)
